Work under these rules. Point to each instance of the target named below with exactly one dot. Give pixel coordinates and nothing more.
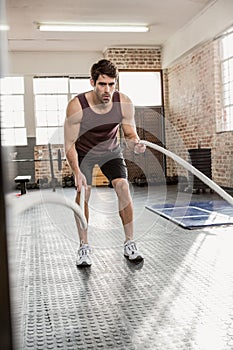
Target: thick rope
(36, 198)
(193, 170)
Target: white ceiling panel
(163, 17)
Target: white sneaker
(83, 258)
(131, 252)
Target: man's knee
(121, 187)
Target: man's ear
(92, 82)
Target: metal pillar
(5, 310)
(6, 341)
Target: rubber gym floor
(180, 297)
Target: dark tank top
(98, 132)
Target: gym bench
(22, 180)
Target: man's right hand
(80, 180)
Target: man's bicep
(72, 125)
(71, 134)
(129, 125)
(71, 131)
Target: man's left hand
(139, 148)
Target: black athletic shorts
(112, 164)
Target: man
(91, 137)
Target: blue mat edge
(190, 227)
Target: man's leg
(83, 256)
(83, 233)
(86, 165)
(125, 205)
(121, 187)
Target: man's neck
(96, 104)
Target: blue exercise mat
(196, 214)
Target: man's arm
(71, 133)
(129, 127)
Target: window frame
(54, 127)
(145, 71)
(14, 129)
(226, 120)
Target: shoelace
(132, 246)
(83, 251)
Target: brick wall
(222, 167)
(139, 58)
(192, 108)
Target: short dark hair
(104, 67)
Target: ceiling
(164, 17)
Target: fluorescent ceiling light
(52, 27)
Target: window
(12, 111)
(143, 88)
(51, 98)
(227, 80)
(78, 85)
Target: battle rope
(193, 170)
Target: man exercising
(91, 137)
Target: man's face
(104, 88)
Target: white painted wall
(209, 23)
(51, 63)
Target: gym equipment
(22, 181)
(51, 160)
(192, 169)
(59, 159)
(53, 181)
(200, 158)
